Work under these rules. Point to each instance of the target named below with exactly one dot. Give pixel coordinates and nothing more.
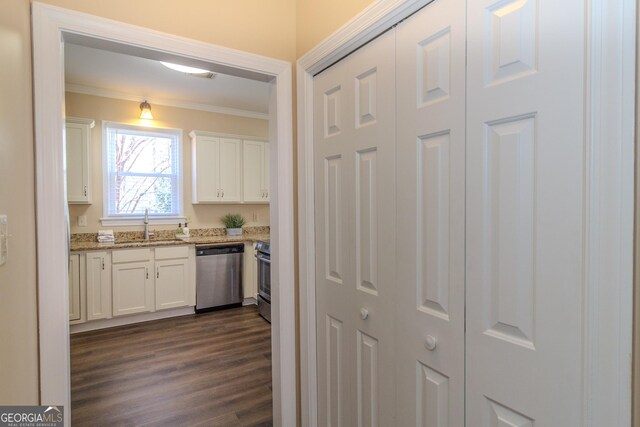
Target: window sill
(111, 222)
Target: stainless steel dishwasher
(218, 276)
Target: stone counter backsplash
(167, 234)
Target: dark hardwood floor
(210, 369)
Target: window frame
(124, 220)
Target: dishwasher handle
(220, 250)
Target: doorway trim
(50, 24)
(609, 113)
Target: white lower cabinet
(130, 281)
(250, 271)
(173, 277)
(74, 287)
(98, 285)
(133, 284)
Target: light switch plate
(82, 221)
(4, 239)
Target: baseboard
(250, 301)
(128, 320)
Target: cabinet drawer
(172, 252)
(131, 255)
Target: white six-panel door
(430, 167)
(525, 207)
(355, 230)
(476, 191)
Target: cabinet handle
(157, 273)
(102, 263)
(85, 191)
(147, 271)
(223, 192)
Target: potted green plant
(233, 224)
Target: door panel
(525, 212)
(98, 285)
(355, 185)
(230, 170)
(487, 203)
(431, 196)
(172, 283)
(76, 151)
(74, 287)
(206, 157)
(133, 288)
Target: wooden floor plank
(211, 369)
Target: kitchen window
(142, 170)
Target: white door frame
(609, 195)
(50, 25)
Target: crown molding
(374, 20)
(106, 93)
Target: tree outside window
(143, 171)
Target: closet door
(431, 198)
(354, 136)
(525, 217)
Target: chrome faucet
(146, 224)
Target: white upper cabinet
(230, 168)
(255, 157)
(78, 145)
(217, 168)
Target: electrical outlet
(4, 239)
(82, 221)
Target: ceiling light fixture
(189, 70)
(145, 111)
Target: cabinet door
(265, 172)
(206, 157)
(230, 169)
(133, 288)
(526, 188)
(98, 285)
(78, 147)
(430, 198)
(249, 272)
(74, 287)
(172, 283)
(354, 150)
(253, 165)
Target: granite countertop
(125, 240)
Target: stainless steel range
(263, 253)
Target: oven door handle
(263, 259)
